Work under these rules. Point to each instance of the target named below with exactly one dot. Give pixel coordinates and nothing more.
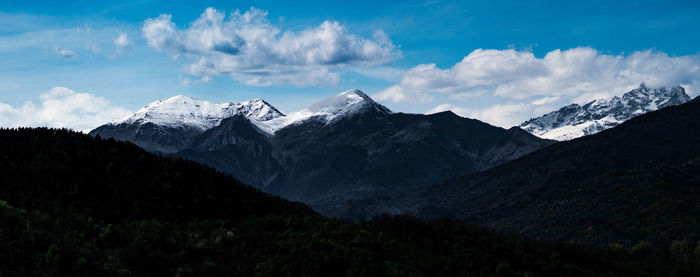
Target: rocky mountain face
(574, 120)
(639, 181)
(346, 149)
(169, 126)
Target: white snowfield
(575, 121)
(569, 132)
(183, 111)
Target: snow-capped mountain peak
(345, 102)
(327, 110)
(258, 109)
(574, 120)
(184, 111)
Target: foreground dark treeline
(72, 205)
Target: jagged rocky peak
(574, 121)
(182, 110)
(656, 98)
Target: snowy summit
(327, 110)
(574, 121)
(183, 111)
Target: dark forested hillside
(62, 171)
(73, 205)
(635, 182)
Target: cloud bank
(248, 48)
(582, 73)
(62, 107)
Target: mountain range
(72, 204)
(348, 156)
(575, 121)
(169, 126)
(332, 155)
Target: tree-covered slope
(62, 171)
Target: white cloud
(546, 100)
(499, 115)
(62, 107)
(386, 73)
(122, 40)
(65, 53)
(249, 49)
(582, 73)
(449, 107)
(469, 94)
(397, 94)
(506, 116)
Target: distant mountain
(169, 126)
(347, 148)
(639, 181)
(574, 121)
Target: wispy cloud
(62, 107)
(249, 49)
(65, 53)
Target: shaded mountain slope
(372, 153)
(236, 147)
(156, 138)
(637, 181)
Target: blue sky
(499, 61)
